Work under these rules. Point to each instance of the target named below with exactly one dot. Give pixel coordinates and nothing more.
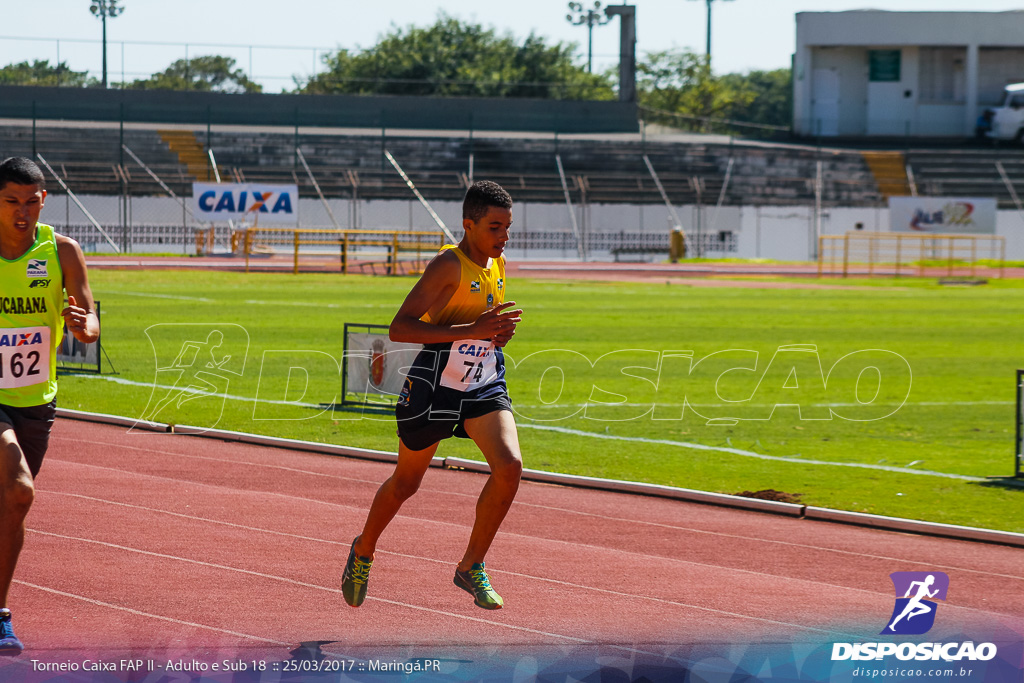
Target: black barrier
(338, 111)
(79, 356)
(373, 373)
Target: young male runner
(36, 267)
(456, 386)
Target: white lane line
(232, 397)
(446, 492)
(227, 461)
(313, 304)
(630, 596)
(572, 544)
(149, 615)
(595, 435)
(255, 302)
(162, 296)
(746, 454)
(304, 584)
(188, 390)
(595, 405)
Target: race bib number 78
(471, 364)
(24, 357)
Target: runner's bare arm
(431, 293)
(79, 315)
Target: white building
(920, 74)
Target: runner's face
(490, 234)
(19, 211)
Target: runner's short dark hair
(21, 171)
(481, 196)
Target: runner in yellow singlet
(456, 387)
(36, 267)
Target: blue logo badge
(914, 612)
(490, 300)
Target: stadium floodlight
(592, 17)
(104, 9)
(707, 53)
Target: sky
(288, 39)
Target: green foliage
(772, 97)
(455, 58)
(679, 88)
(213, 73)
(41, 73)
(682, 82)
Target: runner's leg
(496, 436)
(399, 487)
(16, 495)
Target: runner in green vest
(36, 267)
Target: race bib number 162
(24, 357)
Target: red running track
(191, 547)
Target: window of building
(883, 66)
(942, 77)
(998, 67)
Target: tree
(40, 72)
(452, 58)
(681, 82)
(772, 102)
(213, 73)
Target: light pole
(592, 17)
(707, 53)
(104, 9)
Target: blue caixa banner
(251, 203)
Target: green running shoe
(353, 580)
(476, 582)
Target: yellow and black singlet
(479, 289)
(467, 365)
(451, 382)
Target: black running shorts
(429, 409)
(32, 429)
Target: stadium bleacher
(604, 169)
(967, 172)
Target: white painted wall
(847, 64)
(839, 41)
(892, 106)
(879, 27)
(784, 233)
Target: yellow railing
(394, 242)
(907, 253)
(204, 242)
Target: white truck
(1006, 122)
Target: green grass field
(939, 400)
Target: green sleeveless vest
(31, 299)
